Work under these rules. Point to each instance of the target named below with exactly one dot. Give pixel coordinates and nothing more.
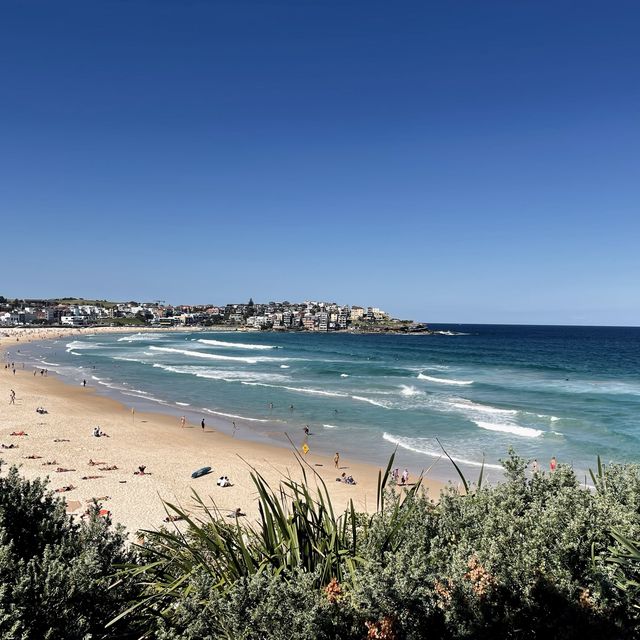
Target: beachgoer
(306, 430)
(553, 464)
(290, 407)
(12, 397)
(84, 383)
(183, 421)
(141, 469)
(405, 477)
(534, 466)
(234, 428)
(395, 475)
(202, 424)
(336, 460)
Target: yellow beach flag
(305, 448)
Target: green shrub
(54, 574)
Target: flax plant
(298, 529)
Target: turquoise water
(572, 392)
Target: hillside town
(283, 316)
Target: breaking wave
(421, 376)
(237, 345)
(420, 445)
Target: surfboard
(201, 472)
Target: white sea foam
(226, 375)
(371, 401)
(319, 392)
(232, 415)
(311, 391)
(420, 445)
(216, 356)
(344, 375)
(236, 345)
(487, 417)
(122, 358)
(421, 376)
(183, 404)
(468, 406)
(516, 430)
(284, 366)
(451, 333)
(142, 336)
(330, 426)
(74, 353)
(51, 364)
(409, 391)
(79, 344)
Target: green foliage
(527, 558)
(53, 573)
(531, 557)
(298, 531)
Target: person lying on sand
(33, 457)
(223, 481)
(113, 467)
(346, 479)
(9, 446)
(49, 463)
(18, 433)
(91, 463)
(236, 513)
(63, 470)
(173, 518)
(91, 477)
(100, 499)
(41, 410)
(62, 440)
(99, 434)
(141, 471)
(68, 487)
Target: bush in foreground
(527, 558)
(54, 574)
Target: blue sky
(448, 161)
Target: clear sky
(467, 161)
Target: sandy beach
(60, 444)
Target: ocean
(476, 390)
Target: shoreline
(154, 439)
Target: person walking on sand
(405, 477)
(553, 464)
(202, 424)
(183, 421)
(84, 383)
(12, 397)
(534, 466)
(336, 460)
